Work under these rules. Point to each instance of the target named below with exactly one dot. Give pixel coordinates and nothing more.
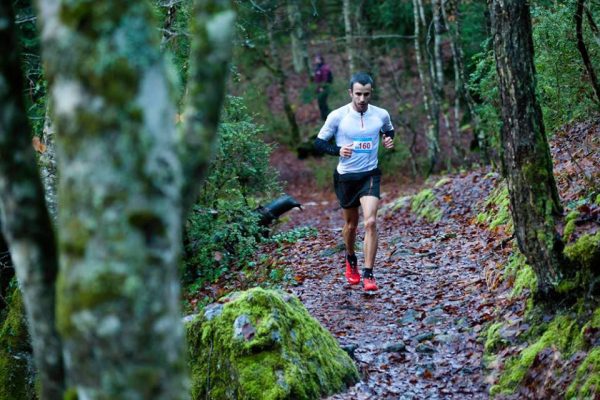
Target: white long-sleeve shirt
(362, 130)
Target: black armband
(389, 134)
(325, 147)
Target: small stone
(410, 316)
(242, 328)
(350, 349)
(189, 318)
(433, 320)
(396, 347)
(424, 336)
(423, 348)
(212, 311)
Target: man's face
(361, 96)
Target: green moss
(16, 381)
(524, 276)
(423, 204)
(493, 338)
(585, 251)
(71, 394)
(524, 279)
(587, 379)
(559, 333)
(497, 209)
(570, 225)
(442, 182)
(281, 353)
(597, 201)
(83, 295)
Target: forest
(299, 199)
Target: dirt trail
(417, 337)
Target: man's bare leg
(369, 205)
(350, 226)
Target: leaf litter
(440, 283)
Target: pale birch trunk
(348, 37)
(47, 162)
(431, 108)
(281, 77)
(438, 62)
(459, 86)
(363, 45)
(25, 221)
(127, 179)
(298, 38)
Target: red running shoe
(370, 284)
(352, 275)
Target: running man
(357, 128)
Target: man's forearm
(323, 146)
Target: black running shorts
(349, 188)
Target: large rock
(263, 344)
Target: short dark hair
(361, 77)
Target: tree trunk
(583, 50)
(47, 161)
(458, 73)
(438, 64)
(298, 39)
(282, 83)
(363, 40)
(462, 91)
(526, 157)
(127, 179)
(431, 107)
(349, 39)
(25, 220)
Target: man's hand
(388, 142)
(346, 151)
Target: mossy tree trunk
(348, 37)
(527, 163)
(127, 178)
(432, 132)
(47, 163)
(298, 39)
(281, 76)
(25, 220)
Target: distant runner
(323, 79)
(356, 128)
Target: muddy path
(418, 337)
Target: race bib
(363, 145)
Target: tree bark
(534, 200)
(298, 39)
(431, 107)
(438, 73)
(348, 37)
(583, 50)
(462, 91)
(282, 82)
(47, 161)
(25, 221)
(127, 177)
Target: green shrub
(222, 230)
(564, 90)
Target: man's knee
(371, 224)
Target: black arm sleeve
(325, 147)
(389, 134)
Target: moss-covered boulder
(16, 362)
(263, 344)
